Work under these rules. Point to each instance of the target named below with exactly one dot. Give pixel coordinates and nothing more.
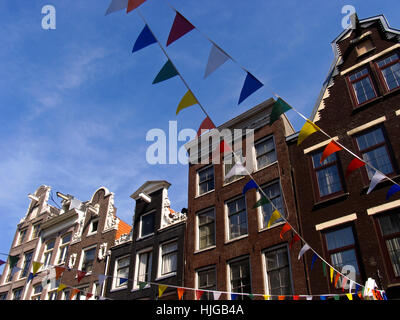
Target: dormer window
(390, 71)
(362, 87)
(94, 225)
(147, 224)
(364, 47)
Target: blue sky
(76, 104)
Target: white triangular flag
(237, 170)
(216, 59)
(351, 285)
(117, 5)
(374, 181)
(217, 294)
(303, 250)
(101, 277)
(309, 297)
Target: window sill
(331, 199)
(270, 165)
(272, 227)
(145, 237)
(205, 193)
(91, 234)
(236, 239)
(360, 107)
(233, 181)
(381, 184)
(118, 289)
(173, 274)
(205, 249)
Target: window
(237, 217)
(375, 152)
(27, 263)
(240, 277)
(364, 47)
(52, 295)
(147, 224)
(341, 249)
(17, 294)
(206, 180)
(389, 225)
(3, 296)
(169, 257)
(143, 267)
(63, 250)
(273, 192)
(279, 280)
(48, 252)
(362, 87)
(206, 228)
(121, 271)
(390, 70)
(37, 291)
(36, 231)
(229, 162)
(93, 227)
(88, 259)
(81, 295)
(206, 280)
(265, 152)
(21, 236)
(327, 175)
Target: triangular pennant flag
(216, 59)
(336, 297)
(133, 4)
(59, 272)
(313, 259)
(161, 289)
(266, 297)
(332, 147)
(296, 297)
(309, 297)
(322, 297)
(281, 297)
(199, 293)
(122, 280)
(261, 202)
(144, 39)
(89, 295)
(357, 288)
(251, 296)
(2, 262)
(279, 108)
(179, 28)
(180, 292)
(249, 185)
(168, 71)
(237, 170)
(73, 293)
(117, 5)
(303, 250)
(375, 180)
(80, 275)
(31, 276)
(324, 268)
(142, 285)
(285, 229)
(307, 130)
(61, 287)
(36, 266)
(394, 189)
(351, 285)
(101, 278)
(217, 295)
(233, 296)
(331, 273)
(337, 278)
(13, 260)
(294, 239)
(353, 165)
(222, 149)
(187, 101)
(207, 124)
(274, 216)
(251, 85)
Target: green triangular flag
(279, 107)
(142, 285)
(13, 261)
(336, 297)
(324, 268)
(260, 202)
(251, 296)
(167, 71)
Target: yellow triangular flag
(349, 296)
(187, 101)
(274, 216)
(331, 273)
(266, 297)
(61, 287)
(36, 266)
(161, 289)
(308, 129)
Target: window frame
(227, 220)
(62, 255)
(260, 213)
(149, 263)
(229, 276)
(48, 254)
(197, 234)
(207, 167)
(25, 267)
(261, 140)
(82, 258)
(22, 234)
(36, 295)
(161, 261)
(207, 294)
(20, 289)
(351, 87)
(117, 268)
(140, 236)
(90, 231)
(380, 69)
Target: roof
(149, 187)
(123, 228)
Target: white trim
(139, 235)
(397, 112)
(226, 218)
(149, 250)
(160, 261)
(197, 233)
(114, 286)
(366, 126)
(383, 207)
(94, 246)
(319, 145)
(335, 222)
(90, 231)
(211, 165)
(380, 54)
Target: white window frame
(210, 267)
(198, 180)
(90, 231)
(160, 261)
(139, 237)
(61, 247)
(83, 254)
(226, 216)
(114, 286)
(228, 273)
(47, 261)
(197, 230)
(136, 272)
(34, 295)
(233, 156)
(50, 292)
(254, 152)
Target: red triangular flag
(59, 272)
(295, 297)
(88, 295)
(199, 293)
(294, 239)
(207, 124)
(337, 278)
(353, 165)
(180, 292)
(133, 4)
(223, 147)
(179, 28)
(80, 274)
(73, 293)
(285, 229)
(332, 147)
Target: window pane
(328, 181)
(207, 281)
(390, 223)
(278, 272)
(393, 246)
(370, 139)
(344, 258)
(379, 159)
(240, 277)
(392, 76)
(316, 158)
(147, 225)
(273, 193)
(339, 238)
(265, 153)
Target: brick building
(154, 252)
(229, 246)
(359, 106)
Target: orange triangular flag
(180, 293)
(73, 293)
(337, 278)
(332, 147)
(59, 272)
(285, 229)
(133, 4)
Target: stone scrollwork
(72, 260)
(169, 216)
(102, 251)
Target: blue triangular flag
(249, 185)
(122, 280)
(322, 297)
(233, 296)
(251, 85)
(31, 276)
(314, 257)
(395, 188)
(357, 288)
(144, 39)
